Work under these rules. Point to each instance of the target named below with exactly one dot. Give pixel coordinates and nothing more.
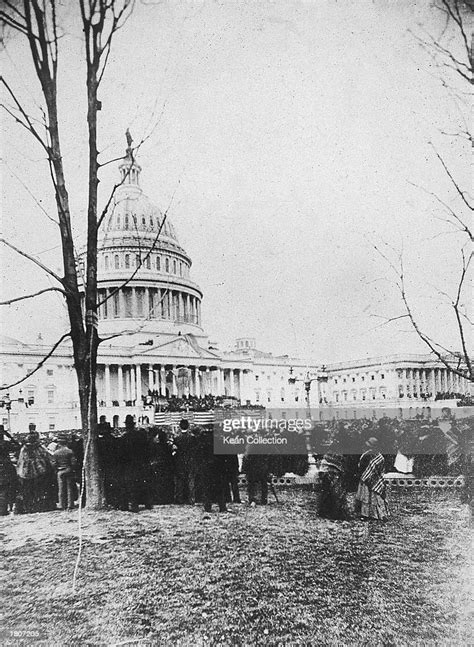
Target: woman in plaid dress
(371, 495)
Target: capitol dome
(143, 273)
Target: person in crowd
(64, 462)
(371, 494)
(111, 458)
(162, 465)
(136, 465)
(8, 480)
(232, 470)
(257, 470)
(36, 475)
(333, 492)
(213, 471)
(186, 464)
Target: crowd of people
(192, 402)
(162, 465)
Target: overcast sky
(292, 134)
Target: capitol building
(155, 343)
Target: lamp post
(6, 402)
(307, 381)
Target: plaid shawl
(373, 473)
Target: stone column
(121, 304)
(174, 386)
(197, 386)
(231, 381)
(162, 380)
(120, 385)
(207, 386)
(238, 383)
(107, 386)
(134, 302)
(220, 381)
(132, 383)
(151, 377)
(138, 371)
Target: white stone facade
(150, 319)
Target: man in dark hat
(137, 452)
(186, 464)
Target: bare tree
(37, 22)
(452, 56)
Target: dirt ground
(274, 575)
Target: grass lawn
(257, 576)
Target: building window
(382, 376)
(51, 424)
(49, 371)
(106, 262)
(363, 379)
(353, 379)
(158, 263)
(50, 395)
(126, 222)
(335, 381)
(256, 378)
(181, 269)
(151, 222)
(257, 396)
(282, 395)
(138, 260)
(127, 260)
(372, 377)
(167, 264)
(175, 268)
(143, 221)
(118, 222)
(117, 261)
(148, 263)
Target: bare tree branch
(461, 193)
(39, 365)
(30, 296)
(33, 260)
